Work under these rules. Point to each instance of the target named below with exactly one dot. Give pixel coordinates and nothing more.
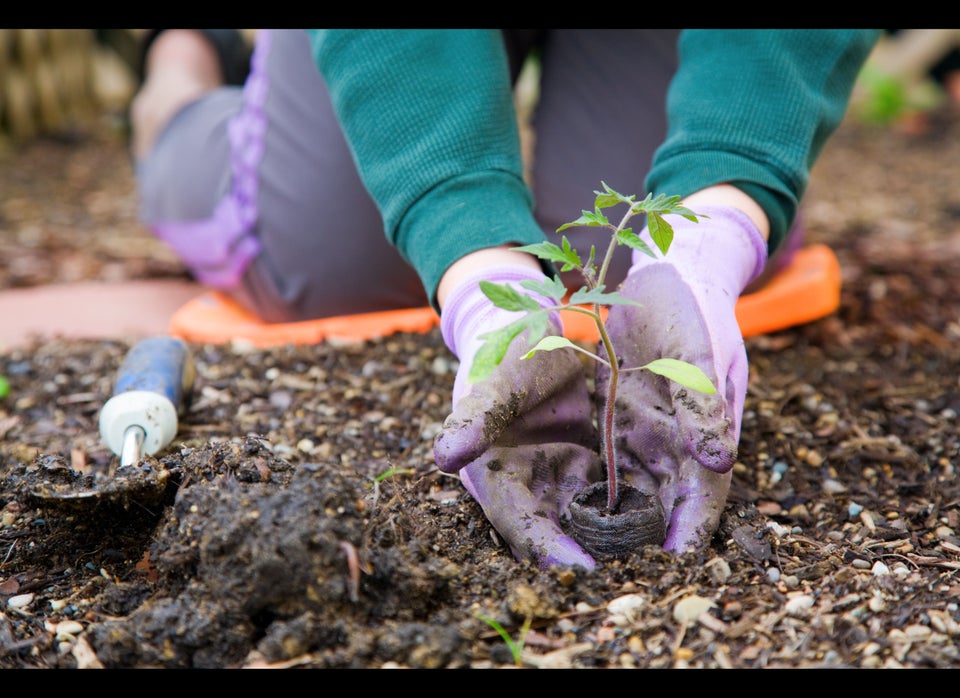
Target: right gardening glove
(523, 439)
(672, 440)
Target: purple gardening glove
(523, 439)
(672, 440)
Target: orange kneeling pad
(805, 290)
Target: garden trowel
(153, 388)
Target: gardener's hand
(522, 439)
(670, 439)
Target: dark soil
(298, 519)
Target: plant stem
(608, 445)
(609, 407)
(608, 257)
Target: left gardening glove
(523, 439)
(672, 440)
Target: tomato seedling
(588, 300)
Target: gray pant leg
(188, 172)
(323, 251)
(600, 117)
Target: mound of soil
(298, 520)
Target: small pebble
(901, 571)
(20, 601)
(440, 366)
(944, 532)
(798, 603)
(719, 569)
(627, 605)
(879, 569)
(832, 486)
(689, 608)
(68, 629)
(780, 531)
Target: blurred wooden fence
(56, 80)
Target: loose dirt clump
(298, 519)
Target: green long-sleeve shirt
(430, 120)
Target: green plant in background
(388, 473)
(393, 472)
(886, 98)
(516, 646)
(589, 300)
(4, 387)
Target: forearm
(754, 108)
(430, 120)
(729, 195)
(492, 257)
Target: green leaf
(571, 255)
(690, 215)
(683, 373)
(663, 205)
(610, 197)
(549, 344)
(586, 220)
(660, 231)
(551, 288)
(496, 343)
(4, 387)
(543, 250)
(551, 252)
(536, 324)
(507, 297)
(493, 349)
(631, 239)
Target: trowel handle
(161, 365)
(154, 386)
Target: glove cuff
(724, 242)
(468, 312)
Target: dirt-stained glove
(672, 440)
(523, 439)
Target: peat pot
(637, 521)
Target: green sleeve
(430, 121)
(754, 108)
